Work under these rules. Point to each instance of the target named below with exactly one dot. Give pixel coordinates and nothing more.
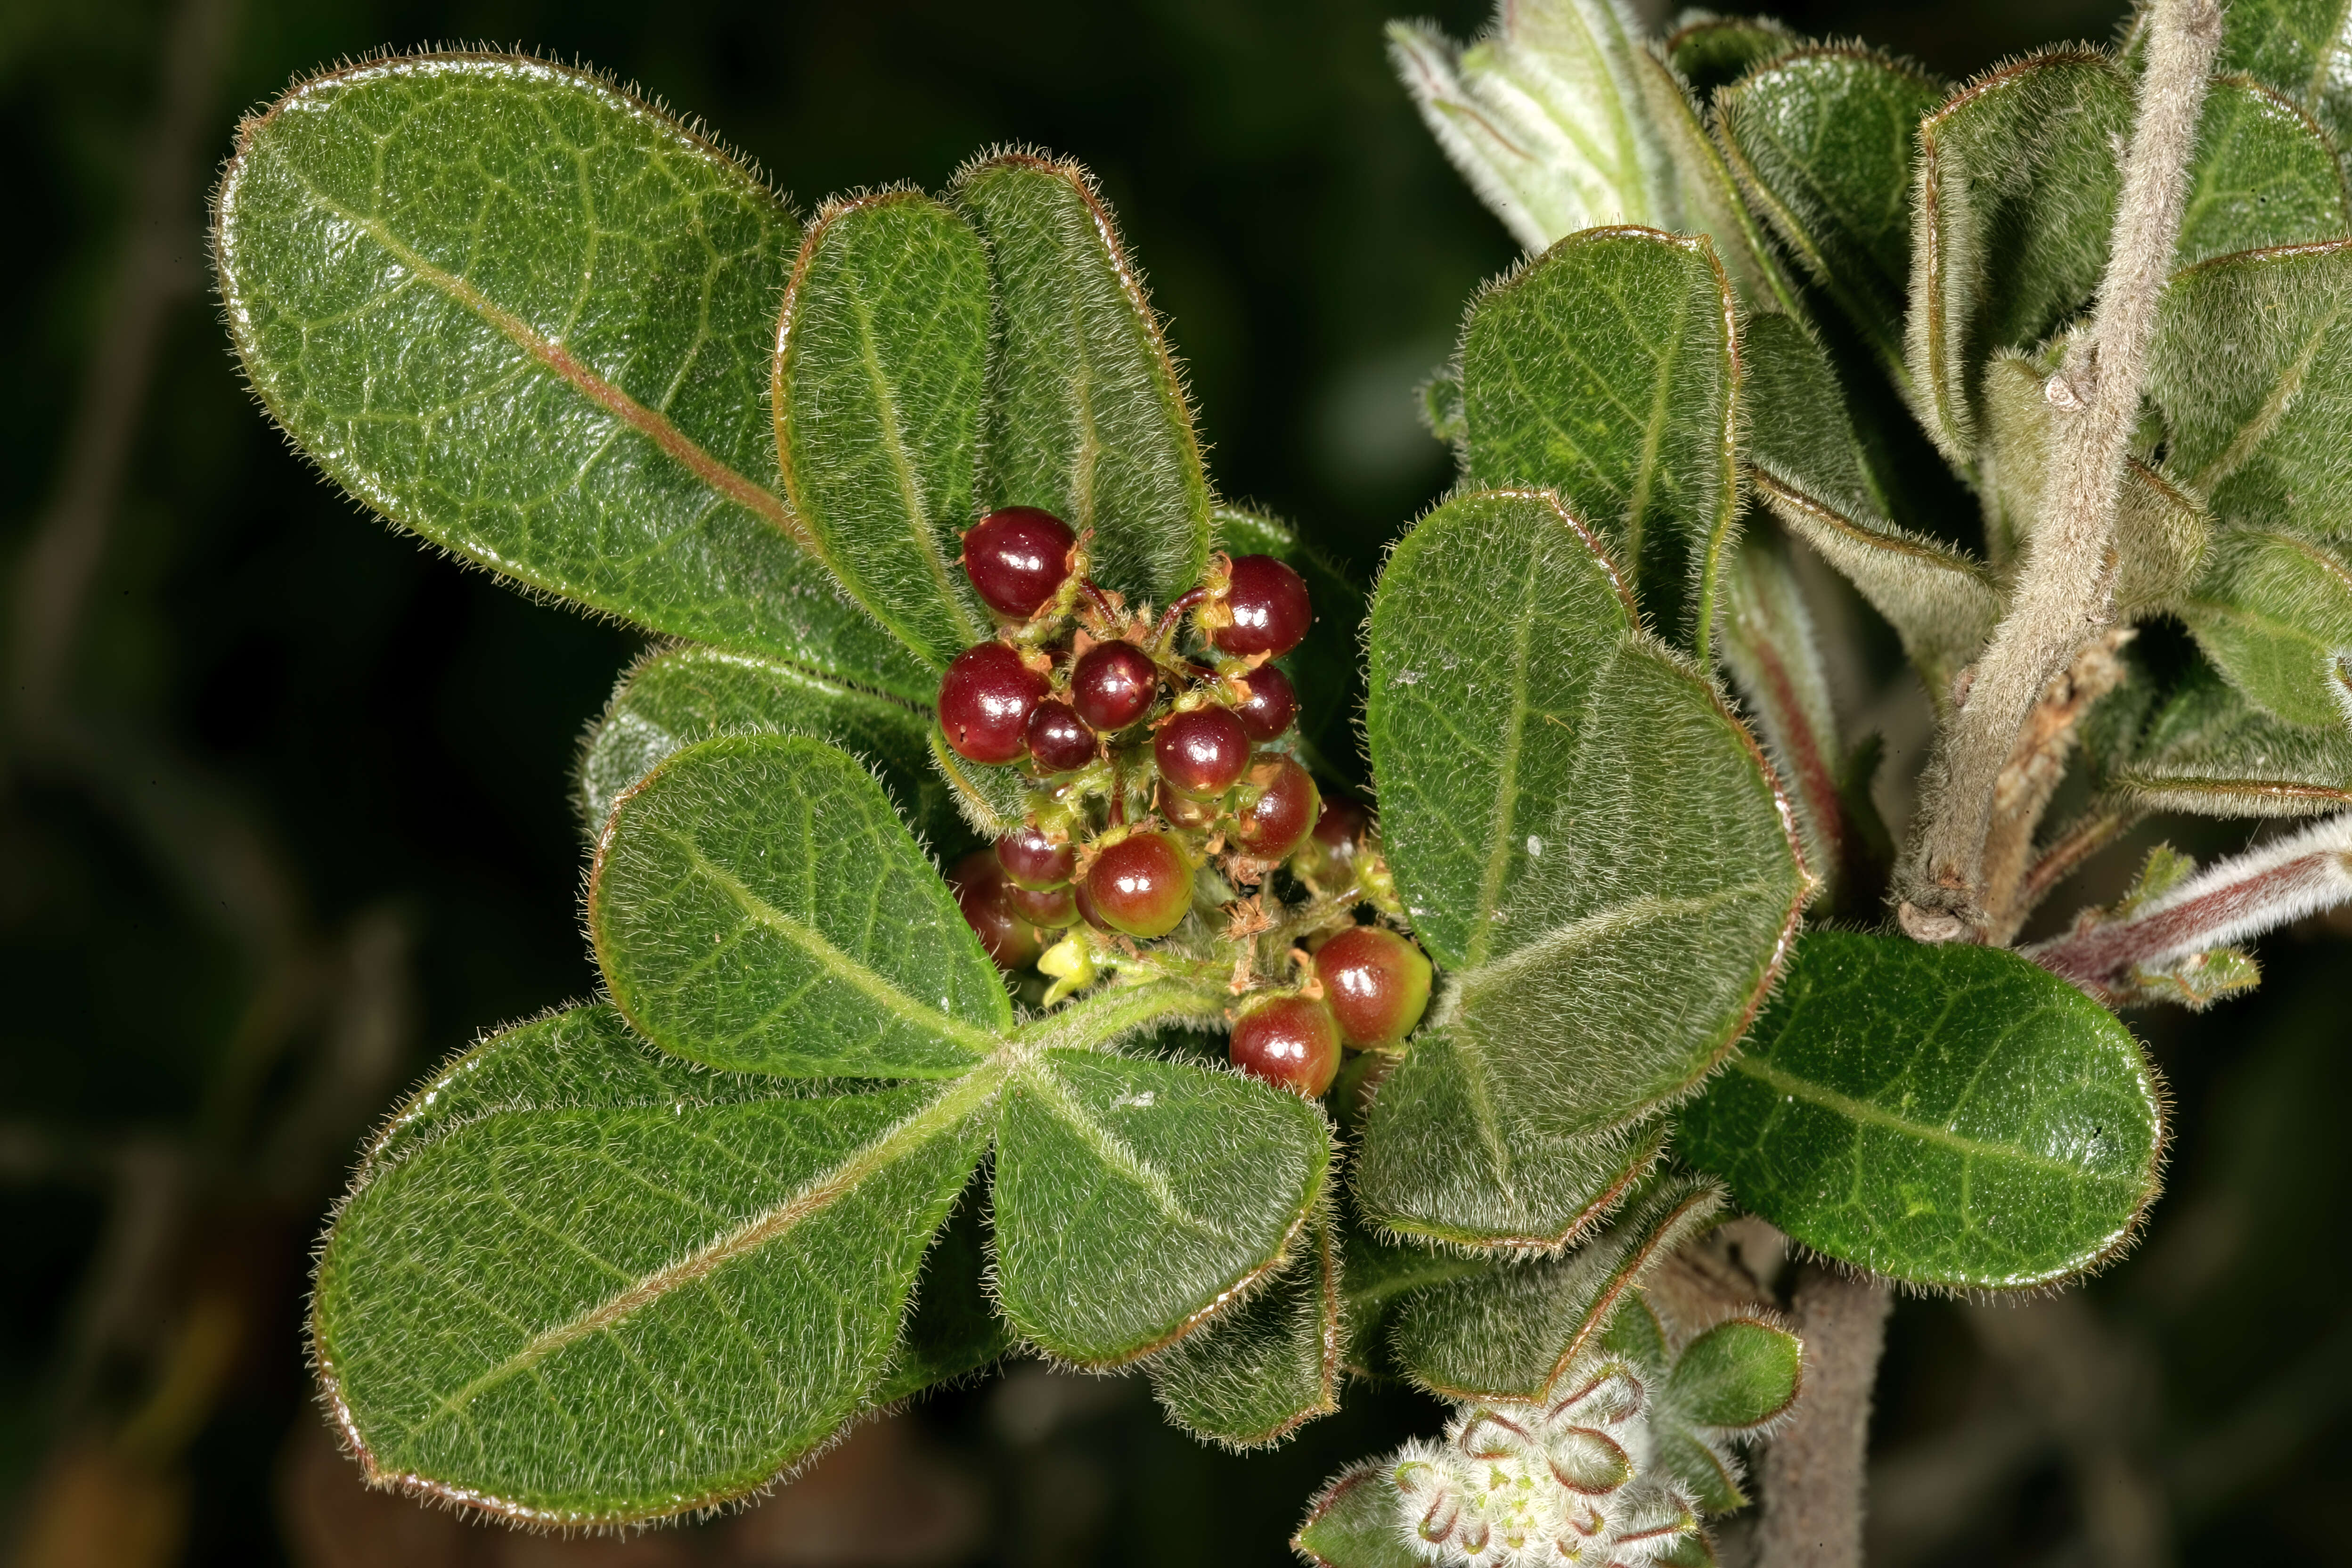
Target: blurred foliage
(283, 808)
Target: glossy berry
(980, 889)
(1277, 809)
(1059, 738)
(985, 701)
(1142, 885)
(1271, 703)
(1035, 860)
(1085, 901)
(1376, 981)
(1181, 811)
(1269, 607)
(1114, 685)
(1018, 559)
(1343, 824)
(1292, 1042)
(1049, 909)
(1201, 753)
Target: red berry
(1086, 907)
(1142, 885)
(1270, 608)
(1049, 909)
(1343, 824)
(1201, 753)
(979, 889)
(1059, 738)
(985, 702)
(1181, 812)
(1292, 1042)
(1271, 703)
(1276, 811)
(1376, 981)
(1114, 685)
(1035, 860)
(1018, 559)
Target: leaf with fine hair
(2276, 613)
(1607, 371)
(879, 367)
(1604, 941)
(2263, 174)
(1823, 140)
(524, 314)
(2211, 751)
(950, 1330)
(757, 905)
(1259, 1372)
(1352, 1522)
(1328, 667)
(2303, 48)
(579, 1282)
(1951, 1115)
(1087, 415)
(1136, 1197)
(1510, 1332)
(1705, 190)
(1769, 649)
(1379, 1277)
(1739, 1373)
(1713, 52)
(671, 699)
(1807, 467)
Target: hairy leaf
(2263, 174)
(1328, 667)
(1607, 371)
(1259, 1372)
(2017, 186)
(1699, 1459)
(879, 368)
(756, 904)
(1807, 467)
(992, 800)
(2302, 47)
(2276, 613)
(2252, 368)
(1381, 1276)
(1510, 1332)
(1823, 142)
(1715, 51)
(1087, 415)
(1703, 189)
(1605, 940)
(1951, 1115)
(670, 699)
(1352, 1522)
(522, 313)
(951, 1329)
(2211, 751)
(1136, 1197)
(579, 1282)
(1742, 1373)
(1770, 650)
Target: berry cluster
(1163, 778)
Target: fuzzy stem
(1813, 1470)
(2064, 594)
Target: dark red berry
(1181, 811)
(1049, 909)
(1269, 605)
(1343, 824)
(1018, 559)
(1292, 1042)
(1032, 859)
(1201, 753)
(1271, 703)
(1114, 685)
(1086, 907)
(980, 889)
(1376, 981)
(1059, 738)
(1277, 810)
(1142, 885)
(985, 702)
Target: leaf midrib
(1601, 924)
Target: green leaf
(2263, 174)
(1352, 1522)
(1823, 142)
(1607, 371)
(1949, 1115)
(1378, 1278)
(579, 1282)
(518, 311)
(670, 699)
(1087, 414)
(1703, 189)
(1259, 1372)
(2276, 613)
(756, 904)
(1605, 940)
(992, 801)
(2017, 187)
(1136, 1197)
(1715, 51)
(1636, 1334)
(951, 1329)
(1328, 667)
(2252, 369)
(879, 368)
(2211, 751)
(1807, 467)
(2302, 48)
(1742, 1373)
(1511, 1332)
(1769, 648)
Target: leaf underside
(2211, 751)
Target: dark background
(284, 817)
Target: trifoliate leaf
(1951, 1115)
(526, 315)
(1259, 1371)
(2276, 613)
